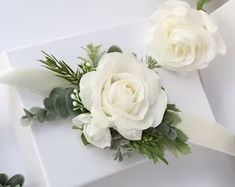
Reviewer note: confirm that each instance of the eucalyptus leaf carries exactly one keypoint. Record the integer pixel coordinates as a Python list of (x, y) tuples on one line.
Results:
[(171, 118), (60, 107), (114, 48), (51, 115), (163, 128), (57, 92), (39, 113), (16, 180), (172, 135), (172, 107), (3, 178), (49, 103)]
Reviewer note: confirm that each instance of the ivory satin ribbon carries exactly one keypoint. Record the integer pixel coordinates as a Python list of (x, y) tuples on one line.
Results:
[(200, 132)]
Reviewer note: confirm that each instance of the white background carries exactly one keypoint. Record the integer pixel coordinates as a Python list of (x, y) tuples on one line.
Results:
[(29, 22)]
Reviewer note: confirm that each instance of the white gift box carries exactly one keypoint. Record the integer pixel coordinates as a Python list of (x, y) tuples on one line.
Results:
[(53, 151)]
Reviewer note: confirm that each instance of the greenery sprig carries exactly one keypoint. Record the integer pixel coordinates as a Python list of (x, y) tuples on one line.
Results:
[(155, 141), (151, 62), (60, 103), (201, 4), (15, 181), (60, 68)]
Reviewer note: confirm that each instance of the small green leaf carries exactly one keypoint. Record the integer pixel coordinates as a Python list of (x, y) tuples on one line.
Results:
[(28, 113), (181, 136), (114, 48), (171, 118), (3, 178), (16, 180), (76, 128), (39, 113), (163, 128), (182, 147), (60, 107), (172, 107), (57, 92), (84, 140), (50, 115), (172, 135), (49, 103), (201, 4)]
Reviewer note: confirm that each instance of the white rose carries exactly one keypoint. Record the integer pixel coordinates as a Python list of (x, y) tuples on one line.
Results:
[(123, 94), (182, 38)]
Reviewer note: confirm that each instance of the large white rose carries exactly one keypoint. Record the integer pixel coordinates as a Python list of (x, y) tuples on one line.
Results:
[(182, 38), (123, 94)]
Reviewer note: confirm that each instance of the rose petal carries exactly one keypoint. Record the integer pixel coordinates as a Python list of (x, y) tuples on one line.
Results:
[(86, 89), (160, 108), (82, 119), (130, 134), (97, 136)]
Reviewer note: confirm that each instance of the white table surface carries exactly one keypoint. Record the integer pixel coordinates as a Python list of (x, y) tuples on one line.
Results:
[(29, 22)]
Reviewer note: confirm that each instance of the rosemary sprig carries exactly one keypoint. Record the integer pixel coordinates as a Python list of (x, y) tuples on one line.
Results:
[(60, 68)]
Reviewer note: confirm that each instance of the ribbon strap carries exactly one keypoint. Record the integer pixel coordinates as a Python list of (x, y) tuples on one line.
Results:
[(35, 80), (200, 132), (208, 134)]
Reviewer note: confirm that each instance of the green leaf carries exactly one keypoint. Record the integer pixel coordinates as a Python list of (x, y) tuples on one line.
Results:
[(93, 56), (16, 180), (57, 92), (51, 115), (182, 147), (163, 128), (114, 48), (28, 113), (60, 107), (49, 103), (172, 107), (39, 113), (172, 135), (60, 68), (201, 4), (171, 118), (151, 62), (180, 135), (84, 140), (3, 178)]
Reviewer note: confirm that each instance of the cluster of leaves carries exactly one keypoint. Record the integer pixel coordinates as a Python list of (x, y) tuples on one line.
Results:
[(201, 4), (155, 141), (15, 181), (58, 103)]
